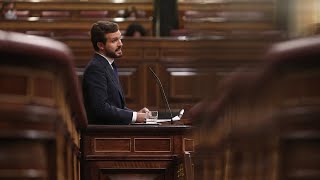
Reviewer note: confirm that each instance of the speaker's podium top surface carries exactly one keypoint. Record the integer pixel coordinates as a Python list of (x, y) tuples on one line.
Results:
[(138, 128)]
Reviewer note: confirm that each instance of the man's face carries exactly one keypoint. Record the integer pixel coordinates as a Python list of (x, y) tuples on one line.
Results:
[(113, 45)]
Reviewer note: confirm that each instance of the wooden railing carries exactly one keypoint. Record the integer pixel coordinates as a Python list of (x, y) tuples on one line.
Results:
[(263, 123), (41, 108)]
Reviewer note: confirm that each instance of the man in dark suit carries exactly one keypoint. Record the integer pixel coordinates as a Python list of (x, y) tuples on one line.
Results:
[(103, 95)]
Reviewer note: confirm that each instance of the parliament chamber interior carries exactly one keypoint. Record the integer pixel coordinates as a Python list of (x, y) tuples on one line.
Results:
[(245, 72)]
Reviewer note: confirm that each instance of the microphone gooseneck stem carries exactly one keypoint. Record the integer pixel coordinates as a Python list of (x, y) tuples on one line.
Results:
[(163, 93)]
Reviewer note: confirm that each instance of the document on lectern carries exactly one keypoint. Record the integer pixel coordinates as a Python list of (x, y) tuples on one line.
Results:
[(156, 121)]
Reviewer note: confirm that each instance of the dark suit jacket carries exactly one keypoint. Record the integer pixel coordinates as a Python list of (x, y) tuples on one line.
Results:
[(103, 95)]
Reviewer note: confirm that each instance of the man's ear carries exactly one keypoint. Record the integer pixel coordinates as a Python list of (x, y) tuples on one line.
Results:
[(100, 45)]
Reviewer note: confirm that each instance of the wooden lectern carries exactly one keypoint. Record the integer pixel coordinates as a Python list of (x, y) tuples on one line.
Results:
[(135, 151)]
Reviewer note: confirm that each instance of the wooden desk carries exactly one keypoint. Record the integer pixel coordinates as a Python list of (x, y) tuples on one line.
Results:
[(135, 151)]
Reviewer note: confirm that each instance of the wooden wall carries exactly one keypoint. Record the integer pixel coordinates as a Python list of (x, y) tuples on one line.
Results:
[(183, 64)]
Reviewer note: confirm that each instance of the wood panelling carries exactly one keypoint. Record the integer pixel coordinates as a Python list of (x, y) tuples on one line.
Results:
[(43, 87), (118, 145), (41, 111), (130, 83), (17, 164), (174, 50), (156, 173), (297, 166), (181, 85), (127, 77), (155, 154), (152, 145), (143, 170), (13, 84), (188, 145), (36, 88), (183, 65), (151, 53)]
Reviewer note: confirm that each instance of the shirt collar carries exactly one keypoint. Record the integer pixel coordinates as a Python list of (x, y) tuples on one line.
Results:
[(110, 60)]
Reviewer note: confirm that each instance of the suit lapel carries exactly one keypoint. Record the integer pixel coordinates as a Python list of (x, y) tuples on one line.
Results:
[(111, 74)]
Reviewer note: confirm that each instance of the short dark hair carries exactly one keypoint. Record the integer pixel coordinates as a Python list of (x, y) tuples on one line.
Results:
[(98, 31), (135, 27)]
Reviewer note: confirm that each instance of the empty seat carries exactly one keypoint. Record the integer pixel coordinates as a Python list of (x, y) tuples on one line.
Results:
[(25, 13), (40, 33), (55, 14), (189, 14)]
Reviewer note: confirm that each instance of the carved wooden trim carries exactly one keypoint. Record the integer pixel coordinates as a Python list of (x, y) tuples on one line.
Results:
[(115, 140), (184, 144), (155, 139), (30, 75)]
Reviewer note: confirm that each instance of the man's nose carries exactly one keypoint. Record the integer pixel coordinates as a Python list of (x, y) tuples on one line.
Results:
[(120, 43)]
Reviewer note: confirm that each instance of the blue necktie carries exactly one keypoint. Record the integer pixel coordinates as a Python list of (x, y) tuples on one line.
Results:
[(115, 70)]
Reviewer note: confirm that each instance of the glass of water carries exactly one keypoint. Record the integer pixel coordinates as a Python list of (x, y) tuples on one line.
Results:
[(152, 117)]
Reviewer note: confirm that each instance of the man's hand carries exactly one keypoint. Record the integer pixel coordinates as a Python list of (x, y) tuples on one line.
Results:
[(141, 117), (144, 110)]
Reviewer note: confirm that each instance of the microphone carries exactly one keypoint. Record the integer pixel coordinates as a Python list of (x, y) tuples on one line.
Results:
[(162, 91)]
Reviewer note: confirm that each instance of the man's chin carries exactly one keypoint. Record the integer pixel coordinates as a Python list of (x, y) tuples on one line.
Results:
[(118, 54), (115, 55)]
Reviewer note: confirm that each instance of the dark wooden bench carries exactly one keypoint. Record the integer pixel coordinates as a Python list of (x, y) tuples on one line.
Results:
[(263, 123), (41, 108), (201, 19), (75, 9), (56, 27), (60, 18)]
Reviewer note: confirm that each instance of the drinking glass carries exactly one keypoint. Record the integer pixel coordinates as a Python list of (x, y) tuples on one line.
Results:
[(152, 117)]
